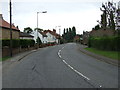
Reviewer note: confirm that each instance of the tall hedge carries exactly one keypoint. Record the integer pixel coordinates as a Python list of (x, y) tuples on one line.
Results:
[(105, 43), (24, 43)]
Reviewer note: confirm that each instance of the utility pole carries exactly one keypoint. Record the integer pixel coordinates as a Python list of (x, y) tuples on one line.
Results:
[(10, 29)]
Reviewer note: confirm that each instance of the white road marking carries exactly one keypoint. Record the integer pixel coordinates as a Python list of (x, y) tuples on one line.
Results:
[(59, 50), (71, 66)]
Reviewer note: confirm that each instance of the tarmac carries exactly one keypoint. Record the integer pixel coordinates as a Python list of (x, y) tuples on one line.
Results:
[(5, 64)]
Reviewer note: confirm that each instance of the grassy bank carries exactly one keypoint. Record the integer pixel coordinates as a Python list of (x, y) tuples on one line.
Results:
[(109, 54), (4, 58)]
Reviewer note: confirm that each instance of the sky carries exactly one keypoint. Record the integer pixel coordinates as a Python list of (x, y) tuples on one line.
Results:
[(83, 14)]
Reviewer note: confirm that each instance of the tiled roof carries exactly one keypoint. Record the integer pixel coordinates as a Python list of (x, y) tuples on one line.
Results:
[(44, 35), (5, 24)]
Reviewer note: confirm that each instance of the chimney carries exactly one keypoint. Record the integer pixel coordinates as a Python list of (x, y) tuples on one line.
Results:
[(1, 17), (54, 30)]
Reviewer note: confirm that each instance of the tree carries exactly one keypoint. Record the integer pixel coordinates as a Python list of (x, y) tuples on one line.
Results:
[(108, 16), (74, 31), (97, 27), (38, 29), (39, 41), (28, 30), (69, 34)]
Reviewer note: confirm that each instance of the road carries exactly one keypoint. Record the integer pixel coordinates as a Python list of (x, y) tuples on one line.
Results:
[(61, 66)]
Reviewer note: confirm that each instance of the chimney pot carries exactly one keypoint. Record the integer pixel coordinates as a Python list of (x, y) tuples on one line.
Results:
[(1, 17)]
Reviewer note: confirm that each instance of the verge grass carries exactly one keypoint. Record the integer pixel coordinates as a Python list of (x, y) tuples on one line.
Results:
[(4, 58), (109, 54)]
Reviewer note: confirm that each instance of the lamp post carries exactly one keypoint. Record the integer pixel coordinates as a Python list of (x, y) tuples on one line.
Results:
[(59, 34), (37, 25)]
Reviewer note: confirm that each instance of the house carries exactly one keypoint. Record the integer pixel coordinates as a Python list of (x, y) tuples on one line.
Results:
[(52, 36), (24, 35), (41, 35), (77, 38), (46, 36), (5, 30), (85, 37)]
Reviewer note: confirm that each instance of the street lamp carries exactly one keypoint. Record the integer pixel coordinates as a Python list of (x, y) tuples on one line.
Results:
[(59, 34), (37, 24)]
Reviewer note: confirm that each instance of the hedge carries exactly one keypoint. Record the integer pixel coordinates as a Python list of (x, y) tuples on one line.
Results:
[(105, 43), (24, 43)]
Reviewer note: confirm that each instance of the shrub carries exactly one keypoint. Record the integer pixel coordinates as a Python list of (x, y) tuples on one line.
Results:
[(105, 43), (24, 43)]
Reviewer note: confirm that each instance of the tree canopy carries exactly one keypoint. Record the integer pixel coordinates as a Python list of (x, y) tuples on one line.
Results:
[(39, 29), (28, 30), (69, 34)]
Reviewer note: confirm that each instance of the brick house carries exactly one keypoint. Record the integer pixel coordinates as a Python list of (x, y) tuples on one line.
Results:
[(5, 30), (77, 38), (85, 37)]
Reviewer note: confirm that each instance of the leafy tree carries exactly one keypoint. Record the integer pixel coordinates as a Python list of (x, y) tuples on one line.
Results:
[(28, 30), (39, 29), (69, 34), (39, 41), (97, 27), (74, 31), (108, 16)]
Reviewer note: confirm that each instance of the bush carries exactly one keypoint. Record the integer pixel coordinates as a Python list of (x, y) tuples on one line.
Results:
[(105, 43), (24, 43), (15, 43)]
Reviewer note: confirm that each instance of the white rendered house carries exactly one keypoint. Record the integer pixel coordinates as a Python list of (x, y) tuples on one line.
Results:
[(42, 37)]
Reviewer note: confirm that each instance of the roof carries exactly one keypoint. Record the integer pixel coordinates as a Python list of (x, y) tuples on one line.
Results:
[(5, 24), (22, 34), (76, 37), (43, 34)]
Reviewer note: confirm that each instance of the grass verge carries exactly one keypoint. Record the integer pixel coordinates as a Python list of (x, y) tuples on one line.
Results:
[(4, 58), (109, 54)]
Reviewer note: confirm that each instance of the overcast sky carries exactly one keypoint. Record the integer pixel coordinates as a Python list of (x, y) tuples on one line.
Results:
[(83, 14)]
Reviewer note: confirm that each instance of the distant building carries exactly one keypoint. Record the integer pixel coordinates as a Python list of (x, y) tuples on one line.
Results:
[(41, 35), (85, 37), (5, 30), (47, 36), (52, 36), (77, 38), (24, 35)]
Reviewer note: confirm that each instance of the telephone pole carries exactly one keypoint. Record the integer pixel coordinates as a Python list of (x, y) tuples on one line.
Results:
[(10, 29)]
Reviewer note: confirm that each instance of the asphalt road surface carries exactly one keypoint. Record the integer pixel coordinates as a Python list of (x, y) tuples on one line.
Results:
[(61, 66)]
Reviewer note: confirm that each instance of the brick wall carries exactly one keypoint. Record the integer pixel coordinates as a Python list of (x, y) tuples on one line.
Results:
[(6, 34), (6, 51)]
